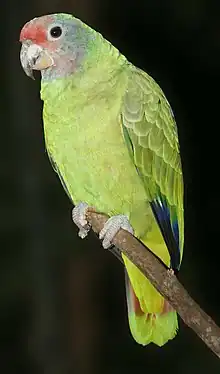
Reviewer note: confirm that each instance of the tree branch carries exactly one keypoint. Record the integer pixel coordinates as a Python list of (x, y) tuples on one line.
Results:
[(166, 283)]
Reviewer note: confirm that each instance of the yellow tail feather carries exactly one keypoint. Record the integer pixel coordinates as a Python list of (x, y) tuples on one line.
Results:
[(153, 328), (151, 318)]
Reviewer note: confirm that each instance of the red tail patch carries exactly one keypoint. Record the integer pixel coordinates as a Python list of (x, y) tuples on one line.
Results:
[(167, 307), (136, 307), (135, 302)]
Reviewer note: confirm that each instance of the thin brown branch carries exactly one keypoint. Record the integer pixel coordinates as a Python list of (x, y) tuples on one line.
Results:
[(166, 283)]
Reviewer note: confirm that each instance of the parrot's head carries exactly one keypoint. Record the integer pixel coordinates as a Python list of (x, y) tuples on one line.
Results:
[(55, 44)]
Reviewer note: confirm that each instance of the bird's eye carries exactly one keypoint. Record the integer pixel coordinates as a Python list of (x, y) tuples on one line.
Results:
[(56, 32)]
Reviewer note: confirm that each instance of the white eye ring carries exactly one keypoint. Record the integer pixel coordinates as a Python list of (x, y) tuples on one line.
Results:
[(55, 32)]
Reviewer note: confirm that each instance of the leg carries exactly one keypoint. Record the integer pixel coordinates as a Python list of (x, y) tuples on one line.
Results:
[(79, 218), (112, 226)]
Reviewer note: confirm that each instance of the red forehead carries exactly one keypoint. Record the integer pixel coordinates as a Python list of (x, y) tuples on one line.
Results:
[(34, 33), (36, 30)]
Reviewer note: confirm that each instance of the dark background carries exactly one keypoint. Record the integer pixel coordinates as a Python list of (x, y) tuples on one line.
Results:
[(62, 300)]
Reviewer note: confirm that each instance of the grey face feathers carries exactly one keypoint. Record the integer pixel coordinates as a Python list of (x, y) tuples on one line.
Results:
[(55, 44)]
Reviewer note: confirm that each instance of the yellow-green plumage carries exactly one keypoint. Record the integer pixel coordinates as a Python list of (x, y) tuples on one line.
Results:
[(112, 136), (84, 137)]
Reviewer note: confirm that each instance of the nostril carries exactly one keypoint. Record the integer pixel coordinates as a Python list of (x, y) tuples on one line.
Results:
[(34, 60)]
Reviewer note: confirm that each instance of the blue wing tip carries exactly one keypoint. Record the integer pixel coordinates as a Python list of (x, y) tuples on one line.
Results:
[(169, 227)]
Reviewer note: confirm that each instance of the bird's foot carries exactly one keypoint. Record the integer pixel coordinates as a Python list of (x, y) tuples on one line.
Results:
[(170, 272), (79, 218), (111, 228)]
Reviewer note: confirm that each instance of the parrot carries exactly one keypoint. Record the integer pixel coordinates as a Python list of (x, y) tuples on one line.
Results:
[(112, 138)]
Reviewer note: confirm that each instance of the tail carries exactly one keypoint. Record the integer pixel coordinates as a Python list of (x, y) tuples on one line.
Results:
[(150, 316)]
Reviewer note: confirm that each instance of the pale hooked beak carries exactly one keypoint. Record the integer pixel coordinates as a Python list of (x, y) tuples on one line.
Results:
[(34, 57)]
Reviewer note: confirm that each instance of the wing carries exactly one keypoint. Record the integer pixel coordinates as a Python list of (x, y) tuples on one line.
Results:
[(150, 133), (55, 168)]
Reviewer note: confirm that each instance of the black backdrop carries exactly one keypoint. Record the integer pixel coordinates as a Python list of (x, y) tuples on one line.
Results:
[(62, 302)]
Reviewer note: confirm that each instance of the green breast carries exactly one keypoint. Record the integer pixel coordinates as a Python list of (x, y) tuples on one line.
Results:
[(83, 137)]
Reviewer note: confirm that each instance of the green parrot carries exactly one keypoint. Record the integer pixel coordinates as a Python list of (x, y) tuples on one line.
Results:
[(111, 136)]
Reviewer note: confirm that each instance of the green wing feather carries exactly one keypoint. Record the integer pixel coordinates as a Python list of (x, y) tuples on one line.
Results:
[(151, 135)]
